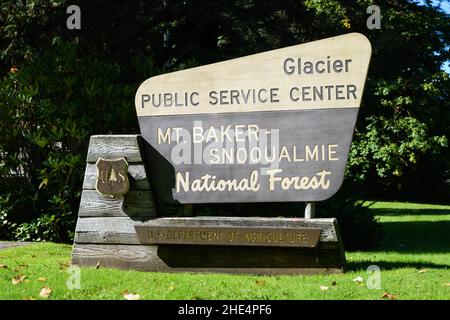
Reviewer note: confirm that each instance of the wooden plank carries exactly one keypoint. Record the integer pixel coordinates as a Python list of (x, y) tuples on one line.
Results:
[(114, 146), (117, 256), (197, 256), (120, 230), (237, 260), (328, 225), (133, 204), (339, 240), (138, 177), (112, 230), (229, 236)]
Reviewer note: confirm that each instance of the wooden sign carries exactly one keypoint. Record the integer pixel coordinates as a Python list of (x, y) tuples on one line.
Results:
[(230, 236), (274, 126), (112, 177)]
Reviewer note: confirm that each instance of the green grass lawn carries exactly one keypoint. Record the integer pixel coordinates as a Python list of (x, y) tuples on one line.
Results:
[(417, 239)]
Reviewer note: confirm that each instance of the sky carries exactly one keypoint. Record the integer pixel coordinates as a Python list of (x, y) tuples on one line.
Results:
[(446, 7)]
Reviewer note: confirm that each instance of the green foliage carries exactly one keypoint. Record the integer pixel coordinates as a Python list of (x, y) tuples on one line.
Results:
[(49, 108), (6, 226), (390, 150), (28, 26)]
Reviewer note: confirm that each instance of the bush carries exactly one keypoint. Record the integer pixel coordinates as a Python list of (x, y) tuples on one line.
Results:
[(49, 108), (359, 228), (400, 156)]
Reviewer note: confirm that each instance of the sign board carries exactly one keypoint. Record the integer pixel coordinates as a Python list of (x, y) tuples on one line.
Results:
[(229, 236), (273, 126)]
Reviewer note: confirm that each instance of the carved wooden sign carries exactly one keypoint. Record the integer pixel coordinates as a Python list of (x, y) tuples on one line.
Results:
[(274, 126), (112, 177), (229, 236)]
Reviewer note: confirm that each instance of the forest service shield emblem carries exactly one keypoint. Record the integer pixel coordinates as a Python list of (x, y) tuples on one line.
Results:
[(112, 177)]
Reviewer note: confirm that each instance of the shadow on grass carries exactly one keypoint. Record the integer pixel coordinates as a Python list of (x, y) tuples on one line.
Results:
[(416, 236), (409, 212), (391, 265)]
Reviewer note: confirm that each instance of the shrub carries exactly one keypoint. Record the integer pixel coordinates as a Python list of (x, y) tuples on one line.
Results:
[(48, 110), (400, 156), (360, 229)]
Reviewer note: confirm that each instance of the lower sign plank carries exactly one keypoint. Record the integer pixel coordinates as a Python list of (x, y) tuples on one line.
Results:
[(234, 236)]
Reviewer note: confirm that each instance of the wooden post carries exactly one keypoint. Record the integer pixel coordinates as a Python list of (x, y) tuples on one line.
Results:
[(310, 210)]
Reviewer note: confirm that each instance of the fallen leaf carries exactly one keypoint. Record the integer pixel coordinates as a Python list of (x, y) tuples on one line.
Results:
[(446, 284), (18, 279), (3, 266), (358, 279), (97, 265), (172, 286), (18, 269), (324, 288), (45, 292), (334, 283), (131, 296), (64, 265), (389, 296), (422, 271), (260, 282), (42, 279)]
